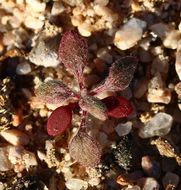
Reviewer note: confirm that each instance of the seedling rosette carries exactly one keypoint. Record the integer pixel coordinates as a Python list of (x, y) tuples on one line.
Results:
[(73, 53)]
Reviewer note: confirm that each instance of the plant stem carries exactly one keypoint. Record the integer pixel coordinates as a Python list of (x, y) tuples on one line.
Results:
[(83, 119)]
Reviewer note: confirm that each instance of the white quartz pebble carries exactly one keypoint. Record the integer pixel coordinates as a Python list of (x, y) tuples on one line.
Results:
[(57, 8), (171, 39), (15, 137), (135, 187), (157, 93), (23, 68), (36, 5), (123, 129), (131, 32), (76, 184), (159, 125), (150, 184)]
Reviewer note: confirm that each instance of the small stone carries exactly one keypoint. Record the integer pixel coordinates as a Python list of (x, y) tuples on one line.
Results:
[(5, 164), (94, 181), (150, 167), (100, 65), (57, 8), (73, 2), (135, 187), (129, 34), (123, 129), (140, 87), (159, 125), (161, 29), (178, 60), (178, 89), (76, 184), (172, 38), (170, 180), (33, 23), (179, 27), (101, 2), (36, 5), (8, 39), (104, 55), (167, 33), (45, 51), (157, 93), (85, 29), (23, 68), (160, 64), (15, 137), (148, 183)]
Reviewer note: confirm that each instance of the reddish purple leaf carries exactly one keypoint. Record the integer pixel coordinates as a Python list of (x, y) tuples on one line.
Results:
[(85, 150), (73, 52), (118, 107), (120, 75), (59, 121), (53, 92), (94, 106)]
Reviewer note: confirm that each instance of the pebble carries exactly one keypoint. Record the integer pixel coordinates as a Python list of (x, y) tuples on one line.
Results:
[(129, 34), (167, 33), (135, 187), (45, 51), (140, 87), (57, 8), (123, 129), (148, 183), (160, 64), (100, 65), (157, 93), (5, 164), (85, 29), (36, 5), (170, 180), (178, 60), (178, 89), (179, 26), (161, 29), (94, 181), (76, 184), (23, 68), (150, 167), (159, 125), (104, 55), (101, 2), (172, 38), (8, 39), (33, 23), (15, 137)]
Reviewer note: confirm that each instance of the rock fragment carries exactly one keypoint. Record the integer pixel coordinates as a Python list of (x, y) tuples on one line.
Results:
[(157, 92), (130, 33), (15, 137), (159, 125), (76, 184)]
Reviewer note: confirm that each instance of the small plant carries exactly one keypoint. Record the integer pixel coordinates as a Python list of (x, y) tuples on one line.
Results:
[(73, 53)]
